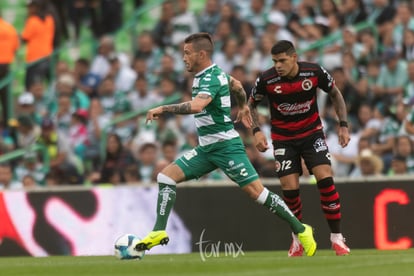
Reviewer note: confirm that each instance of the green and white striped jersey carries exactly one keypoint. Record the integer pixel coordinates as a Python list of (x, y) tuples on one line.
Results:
[(214, 124)]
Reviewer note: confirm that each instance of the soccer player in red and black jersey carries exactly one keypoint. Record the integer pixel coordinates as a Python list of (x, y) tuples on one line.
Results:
[(296, 131)]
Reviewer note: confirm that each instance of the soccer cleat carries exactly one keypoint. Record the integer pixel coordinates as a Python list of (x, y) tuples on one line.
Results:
[(296, 249), (152, 239), (307, 240), (338, 244)]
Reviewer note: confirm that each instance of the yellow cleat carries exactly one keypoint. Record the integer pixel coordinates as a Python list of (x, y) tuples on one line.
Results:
[(307, 240), (152, 239)]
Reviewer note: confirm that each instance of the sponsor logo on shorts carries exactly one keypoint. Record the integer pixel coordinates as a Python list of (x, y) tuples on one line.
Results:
[(279, 151), (320, 145)]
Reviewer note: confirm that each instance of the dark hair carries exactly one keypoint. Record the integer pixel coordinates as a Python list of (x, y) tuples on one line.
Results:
[(83, 61), (283, 46), (201, 41)]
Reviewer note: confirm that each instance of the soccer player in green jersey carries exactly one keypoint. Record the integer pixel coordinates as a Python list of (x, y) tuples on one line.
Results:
[(220, 145)]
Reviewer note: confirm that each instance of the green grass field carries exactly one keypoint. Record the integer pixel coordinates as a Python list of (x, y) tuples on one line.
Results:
[(360, 262)]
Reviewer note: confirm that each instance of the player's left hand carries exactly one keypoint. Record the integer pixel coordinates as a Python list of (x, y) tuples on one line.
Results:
[(343, 136), (153, 114), (244, 116)]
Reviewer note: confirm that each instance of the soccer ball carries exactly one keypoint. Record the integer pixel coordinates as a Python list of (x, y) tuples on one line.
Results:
[(124, 249)]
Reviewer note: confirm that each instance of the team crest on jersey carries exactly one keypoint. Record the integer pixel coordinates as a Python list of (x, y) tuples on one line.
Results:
[(231, 163), (307, 85), (320, 145)]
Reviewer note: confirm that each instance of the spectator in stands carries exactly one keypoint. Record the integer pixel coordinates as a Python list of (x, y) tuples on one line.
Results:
[(54, 178), (117, 158), (352, 11), (79, 11), (392, 78), (147, 158), (404, 20), (27, 131), (407, 50), (209, 16), (382, 129), (62, 159), (38, 33), (108, 95), (368, 164), (29, 182), (148, 50), (276, 25), (408, 98), (352, 96), (131, 174), (398, 166), (86, 81), (30, 166), (63, 115), (342, 160), (167, 88), (97, 128), (125, 129), (223, 33), (66, 85), (124, 76), (163, 28), (265, 43), (100, 65), (168, 69), (256, 14), (78, 133), (229, 55), (382, 15), (404, 147), (6, 178), (184, 23), (141, 97), (41, 98), (169, 152), (9, 43), (292, 19), (230, 15), (26, 106)]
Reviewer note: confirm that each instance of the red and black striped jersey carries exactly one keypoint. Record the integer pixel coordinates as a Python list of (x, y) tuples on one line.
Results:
[(292, 102)]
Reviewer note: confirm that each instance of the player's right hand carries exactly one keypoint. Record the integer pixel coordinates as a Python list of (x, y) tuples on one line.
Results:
[(261, 141), (153, 114)]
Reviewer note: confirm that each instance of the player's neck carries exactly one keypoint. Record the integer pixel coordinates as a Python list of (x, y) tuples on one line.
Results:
[(294, 72), (204, 66)]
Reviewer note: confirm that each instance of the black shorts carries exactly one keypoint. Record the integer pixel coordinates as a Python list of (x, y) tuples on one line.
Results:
[(313, 149)]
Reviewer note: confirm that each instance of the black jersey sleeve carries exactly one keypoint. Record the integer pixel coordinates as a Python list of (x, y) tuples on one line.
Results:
[(326, 82), (258, 91)]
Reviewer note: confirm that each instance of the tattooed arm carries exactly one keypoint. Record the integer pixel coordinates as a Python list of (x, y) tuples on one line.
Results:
[(190, 107), (341, 111), (236, 88), (243, 115)]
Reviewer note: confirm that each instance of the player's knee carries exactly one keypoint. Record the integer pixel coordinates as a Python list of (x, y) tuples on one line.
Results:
[(165, 179), (254, 189)]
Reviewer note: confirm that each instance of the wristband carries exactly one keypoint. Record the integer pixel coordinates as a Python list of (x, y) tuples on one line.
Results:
[(256, 129), (343, 123)]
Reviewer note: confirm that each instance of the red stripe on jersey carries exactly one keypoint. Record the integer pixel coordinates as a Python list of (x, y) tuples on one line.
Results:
[(293, 87), (296, 127)]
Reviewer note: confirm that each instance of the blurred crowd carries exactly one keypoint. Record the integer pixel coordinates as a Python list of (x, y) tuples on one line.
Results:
[(79, 115)]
